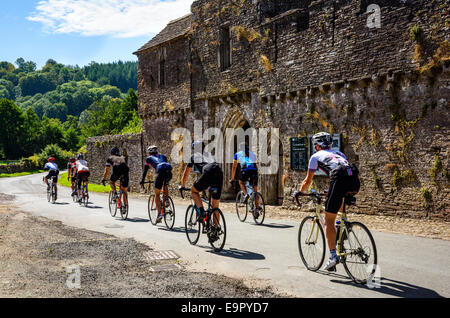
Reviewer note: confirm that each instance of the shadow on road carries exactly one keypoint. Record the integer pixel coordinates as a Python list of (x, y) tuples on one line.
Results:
[(175, 229), (275, 226), (94, 207), (61, 203), (395, 288), (137, 220), (240, 254)]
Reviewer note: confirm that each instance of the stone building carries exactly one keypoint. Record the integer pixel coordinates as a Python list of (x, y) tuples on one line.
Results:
[(374, 71)]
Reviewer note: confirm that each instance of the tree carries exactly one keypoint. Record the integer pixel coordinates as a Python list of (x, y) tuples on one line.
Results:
[(10, 132)]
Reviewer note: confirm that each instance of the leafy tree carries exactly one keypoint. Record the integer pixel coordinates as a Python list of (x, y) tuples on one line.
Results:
[(10, 129)]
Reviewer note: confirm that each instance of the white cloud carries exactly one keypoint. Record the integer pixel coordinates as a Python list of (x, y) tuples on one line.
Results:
[(119, 18)]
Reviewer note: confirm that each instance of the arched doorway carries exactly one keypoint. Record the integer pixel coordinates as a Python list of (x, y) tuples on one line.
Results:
[(270, 185)]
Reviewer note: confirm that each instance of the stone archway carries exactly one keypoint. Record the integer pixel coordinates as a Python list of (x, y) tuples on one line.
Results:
[(269, 185)]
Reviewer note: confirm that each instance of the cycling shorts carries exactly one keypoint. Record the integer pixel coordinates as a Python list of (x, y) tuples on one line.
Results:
[(212, 177), (249, 175), (121, 172), (163, 178)]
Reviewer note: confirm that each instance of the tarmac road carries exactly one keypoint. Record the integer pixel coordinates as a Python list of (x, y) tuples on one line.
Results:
[(268, 254)]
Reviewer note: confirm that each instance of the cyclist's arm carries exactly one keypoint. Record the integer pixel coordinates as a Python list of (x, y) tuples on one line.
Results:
[(106, 173), (233, 174), (307, 181), (186, 173), (146, 167)]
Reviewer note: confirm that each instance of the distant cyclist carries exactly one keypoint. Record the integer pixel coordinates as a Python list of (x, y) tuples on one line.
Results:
[(210, 176), (71, 166), (249, 171), (53, 172), (163, 177), (343, 179), (82, 173), (120, 171)]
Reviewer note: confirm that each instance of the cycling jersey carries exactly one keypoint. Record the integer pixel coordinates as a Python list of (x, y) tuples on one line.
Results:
[(247, 162), (199, 161), (51, 166), (82, 166), (115, 161), (327, 160), (158, 162)]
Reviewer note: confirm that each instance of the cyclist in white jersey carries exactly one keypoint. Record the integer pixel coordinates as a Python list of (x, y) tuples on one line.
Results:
[(81, 172), (343, 179), (53, 172)]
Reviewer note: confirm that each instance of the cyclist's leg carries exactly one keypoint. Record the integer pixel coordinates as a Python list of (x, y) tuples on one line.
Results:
[(159, 183), (124, 183), (196, 197)]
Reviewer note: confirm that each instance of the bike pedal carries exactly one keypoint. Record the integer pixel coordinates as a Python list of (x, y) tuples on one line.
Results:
[(332, 269)]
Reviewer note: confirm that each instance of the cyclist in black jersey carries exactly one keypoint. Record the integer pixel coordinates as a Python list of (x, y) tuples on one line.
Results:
[(343, 179), (120, 171), (211, 176)]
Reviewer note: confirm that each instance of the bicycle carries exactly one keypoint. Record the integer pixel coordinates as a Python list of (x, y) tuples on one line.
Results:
[(51, 190), (83, 199), (116, 201), (168, 209), (244, 206), (356, 248), (213, 223)]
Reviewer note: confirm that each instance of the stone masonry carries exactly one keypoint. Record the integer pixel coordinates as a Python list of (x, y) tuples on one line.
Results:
[(309, 66)]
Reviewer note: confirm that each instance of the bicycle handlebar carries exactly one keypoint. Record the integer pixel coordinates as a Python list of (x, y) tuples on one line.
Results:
[(181, 189), (315, 194)]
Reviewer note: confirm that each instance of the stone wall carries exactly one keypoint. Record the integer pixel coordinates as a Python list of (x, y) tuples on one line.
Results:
[(130, 145), (310, 66)]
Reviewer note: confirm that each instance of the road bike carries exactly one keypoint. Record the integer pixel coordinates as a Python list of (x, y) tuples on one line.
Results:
[(243, 205), (212, 224), (51, 189), (168, 209), (356, 248), (117, 202), (83, 199)]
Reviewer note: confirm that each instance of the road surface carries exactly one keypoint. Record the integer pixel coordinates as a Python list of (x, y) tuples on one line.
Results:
[(409, 266)]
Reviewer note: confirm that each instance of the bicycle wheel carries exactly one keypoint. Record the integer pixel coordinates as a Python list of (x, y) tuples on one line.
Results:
[(217, 233), (123, 206), (112, 204), (49, 194), (311, 243), (169, 216), (152, 210), (85, 196), (192, 225), (260, 215), (241, 207), (53, 193), (361, 263)]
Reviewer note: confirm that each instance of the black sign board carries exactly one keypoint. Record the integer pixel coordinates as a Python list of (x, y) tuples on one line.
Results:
[(298, 154)]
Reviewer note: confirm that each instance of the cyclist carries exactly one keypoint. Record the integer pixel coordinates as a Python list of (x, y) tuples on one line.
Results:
[(53, 172), (120, 171), (211, 176), (71, 166), (164, 175), (343, 179), (82, 173), (249, 172)]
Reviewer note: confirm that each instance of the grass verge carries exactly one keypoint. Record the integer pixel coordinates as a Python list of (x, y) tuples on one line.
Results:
[(19, 174), (62, 180)]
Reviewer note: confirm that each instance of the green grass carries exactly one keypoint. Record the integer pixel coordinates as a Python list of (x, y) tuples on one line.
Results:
[(62, 180), (19, 174)]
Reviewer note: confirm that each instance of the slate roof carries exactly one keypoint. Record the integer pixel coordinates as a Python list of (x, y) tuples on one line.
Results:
[(174, 29)]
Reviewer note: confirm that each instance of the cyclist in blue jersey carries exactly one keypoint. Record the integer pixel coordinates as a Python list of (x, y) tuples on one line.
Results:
[(163, 177), (53, 171), (249, 172), (343, 179)]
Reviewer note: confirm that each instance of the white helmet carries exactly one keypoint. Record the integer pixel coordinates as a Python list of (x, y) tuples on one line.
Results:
[(323, 139)]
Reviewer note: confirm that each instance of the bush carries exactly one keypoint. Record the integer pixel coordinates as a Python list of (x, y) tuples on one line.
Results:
[(61, 156)]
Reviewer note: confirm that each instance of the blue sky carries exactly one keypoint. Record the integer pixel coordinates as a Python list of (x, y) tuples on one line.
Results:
[(76, 32)]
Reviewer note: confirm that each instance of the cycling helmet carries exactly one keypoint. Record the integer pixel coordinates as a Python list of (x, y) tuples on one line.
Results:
[(115, 151), (72, 159), (51, 159), (152, 150), (323, 139), (80, 157)]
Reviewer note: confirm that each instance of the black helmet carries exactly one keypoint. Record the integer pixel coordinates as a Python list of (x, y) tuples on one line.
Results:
[(115, 151), (80, 156), (152, 150), (196, 144), (323, 139)]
